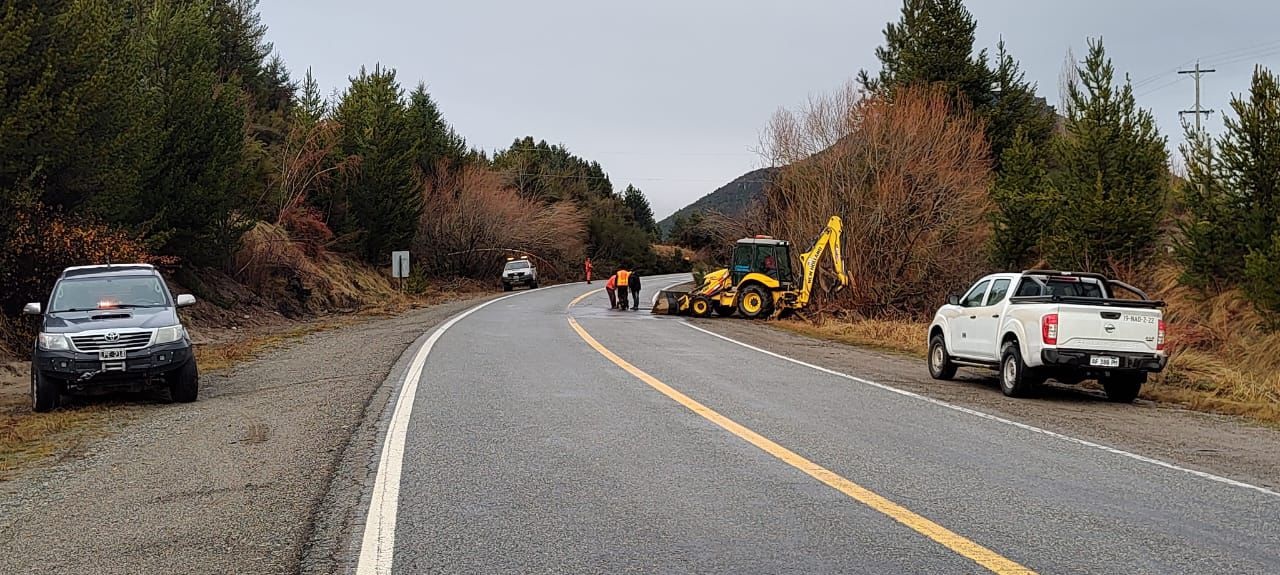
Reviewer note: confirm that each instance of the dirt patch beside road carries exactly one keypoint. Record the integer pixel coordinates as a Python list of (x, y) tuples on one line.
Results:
[(228, 484), (1222, 445)]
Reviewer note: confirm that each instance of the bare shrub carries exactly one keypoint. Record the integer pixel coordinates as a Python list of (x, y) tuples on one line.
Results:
[(471, 221), (910, 179)]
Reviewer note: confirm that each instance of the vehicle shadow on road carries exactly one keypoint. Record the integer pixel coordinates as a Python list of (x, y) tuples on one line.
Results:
[(1051, 390)]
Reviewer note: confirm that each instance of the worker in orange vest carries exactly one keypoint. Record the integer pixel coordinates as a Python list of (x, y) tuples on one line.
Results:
[(587, 267), (610, 287), (624, 280)]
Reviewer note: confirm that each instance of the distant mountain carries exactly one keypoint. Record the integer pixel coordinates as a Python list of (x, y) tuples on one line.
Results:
[(732, 199)]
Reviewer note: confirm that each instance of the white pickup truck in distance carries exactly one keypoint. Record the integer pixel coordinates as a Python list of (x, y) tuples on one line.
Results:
[(1038, 325)]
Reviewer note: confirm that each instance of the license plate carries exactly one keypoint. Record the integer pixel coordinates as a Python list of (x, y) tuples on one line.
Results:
[(111, 355), (1104, 361)]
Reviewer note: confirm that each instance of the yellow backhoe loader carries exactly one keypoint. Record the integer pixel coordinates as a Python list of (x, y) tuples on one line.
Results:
[(759, 282)]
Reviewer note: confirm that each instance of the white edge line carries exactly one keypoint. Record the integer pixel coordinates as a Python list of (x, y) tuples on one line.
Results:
[(989, 417), (377, 547)]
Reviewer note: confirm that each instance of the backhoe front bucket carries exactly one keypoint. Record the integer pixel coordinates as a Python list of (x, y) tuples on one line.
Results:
[(669, 302)]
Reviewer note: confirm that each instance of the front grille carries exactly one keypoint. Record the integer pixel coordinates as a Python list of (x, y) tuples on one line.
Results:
[(129, 340)]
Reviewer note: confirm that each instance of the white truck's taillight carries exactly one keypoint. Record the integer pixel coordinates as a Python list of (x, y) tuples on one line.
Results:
[(1160, 337), (1049, 329)]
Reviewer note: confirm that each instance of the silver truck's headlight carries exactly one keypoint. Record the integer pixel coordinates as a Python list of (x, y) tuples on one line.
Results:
[(170, 334), (54, 342)]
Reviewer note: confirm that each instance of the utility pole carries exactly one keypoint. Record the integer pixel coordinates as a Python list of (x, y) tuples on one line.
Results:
[(1198, 111)]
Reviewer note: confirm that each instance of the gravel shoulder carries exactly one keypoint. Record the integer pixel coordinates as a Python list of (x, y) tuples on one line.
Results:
[(1222, 445), (230, 484)]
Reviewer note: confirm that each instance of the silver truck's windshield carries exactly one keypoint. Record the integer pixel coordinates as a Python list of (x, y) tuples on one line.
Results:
[(108, 293), (518, 265)]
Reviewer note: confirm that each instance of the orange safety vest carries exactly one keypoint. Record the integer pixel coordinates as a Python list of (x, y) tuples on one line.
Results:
[(613, 282), (624, 277)]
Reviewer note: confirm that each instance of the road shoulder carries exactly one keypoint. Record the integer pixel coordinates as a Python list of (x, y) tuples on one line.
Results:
[(230, 484)]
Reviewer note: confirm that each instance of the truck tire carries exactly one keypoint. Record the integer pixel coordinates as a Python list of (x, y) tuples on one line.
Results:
[(700, 306), (1123, 387), (755, 303), (1016, 379), (940, 364), (46, 393), (506, 287), (533, 285), (184, 383)]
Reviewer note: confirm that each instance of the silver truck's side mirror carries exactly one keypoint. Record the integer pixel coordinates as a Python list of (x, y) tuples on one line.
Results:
[(32, 309), (185, 300), (953, 299)]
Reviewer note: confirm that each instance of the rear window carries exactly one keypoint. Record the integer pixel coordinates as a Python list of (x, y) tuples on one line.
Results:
[(1060, 287)]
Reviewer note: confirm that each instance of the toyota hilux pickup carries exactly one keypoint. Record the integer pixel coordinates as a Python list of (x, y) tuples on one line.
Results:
[(1040, 325), (111, 328), (519, 272)]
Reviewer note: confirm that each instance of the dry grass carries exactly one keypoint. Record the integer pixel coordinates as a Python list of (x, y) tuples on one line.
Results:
[(904, 337), (27, 436)]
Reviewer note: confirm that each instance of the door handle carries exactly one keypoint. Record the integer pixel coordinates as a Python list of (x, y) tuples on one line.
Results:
[(996, 316), (973, 317)]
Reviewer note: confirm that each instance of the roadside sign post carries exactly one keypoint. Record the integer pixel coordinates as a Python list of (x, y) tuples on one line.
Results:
[(400, 267)]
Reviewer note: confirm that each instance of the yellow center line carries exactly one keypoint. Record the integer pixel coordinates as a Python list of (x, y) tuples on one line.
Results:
[(582, 297), (987, 558)]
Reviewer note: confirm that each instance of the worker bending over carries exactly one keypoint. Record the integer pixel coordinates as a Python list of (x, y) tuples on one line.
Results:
[(624, 282), (609, 288)]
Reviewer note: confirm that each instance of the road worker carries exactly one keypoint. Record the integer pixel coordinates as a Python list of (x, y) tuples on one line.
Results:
[(609, 288), (587, 268), (624, 281), (633, 283)]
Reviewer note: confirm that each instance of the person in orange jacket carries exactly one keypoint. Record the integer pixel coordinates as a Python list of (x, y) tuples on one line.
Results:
[(623, 282), (587, 268), (611, 287)]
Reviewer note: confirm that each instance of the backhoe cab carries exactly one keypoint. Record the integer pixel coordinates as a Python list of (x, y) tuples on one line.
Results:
[(760, 282)]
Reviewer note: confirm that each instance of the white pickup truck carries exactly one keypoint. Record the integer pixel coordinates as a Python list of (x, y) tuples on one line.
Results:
[(1038, 325)]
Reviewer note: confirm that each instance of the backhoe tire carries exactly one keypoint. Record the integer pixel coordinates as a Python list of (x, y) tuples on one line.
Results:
[(1016, 379), (755, 303), (1123, 387), (940, 364), (726, 310), (700, 306)]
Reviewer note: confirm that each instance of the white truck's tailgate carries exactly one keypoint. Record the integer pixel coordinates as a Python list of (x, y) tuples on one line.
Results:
[(1108, 328)]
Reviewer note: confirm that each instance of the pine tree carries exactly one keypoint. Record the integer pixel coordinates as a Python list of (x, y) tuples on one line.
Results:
[(1213, 247), (1110, 177), (435, 139), (378, 204), (312, 105), (933, 43), (641, 212), (1015, 109), (1023, 211)]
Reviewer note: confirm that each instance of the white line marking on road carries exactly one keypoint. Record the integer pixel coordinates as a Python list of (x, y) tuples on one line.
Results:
[(989, 417), (378, 546)]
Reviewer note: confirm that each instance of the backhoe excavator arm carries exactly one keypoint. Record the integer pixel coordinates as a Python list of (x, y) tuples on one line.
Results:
[(830, 240)]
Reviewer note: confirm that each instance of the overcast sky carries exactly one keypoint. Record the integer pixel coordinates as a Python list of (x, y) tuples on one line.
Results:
[(672, 95)]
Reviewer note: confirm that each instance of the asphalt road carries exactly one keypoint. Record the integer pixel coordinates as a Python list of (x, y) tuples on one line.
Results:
[(549, 439)]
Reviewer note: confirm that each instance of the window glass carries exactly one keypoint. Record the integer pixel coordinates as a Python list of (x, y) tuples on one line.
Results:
[(1028, 288), (974, 299), (109, 293), (998, 291)]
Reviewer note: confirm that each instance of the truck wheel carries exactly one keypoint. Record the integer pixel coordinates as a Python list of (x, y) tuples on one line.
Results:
[(1124, 387), (184, 383), (506, 287), (940, 365), (1016, 379), (725, 310), (46, 393), (533, 285), (755, 303)]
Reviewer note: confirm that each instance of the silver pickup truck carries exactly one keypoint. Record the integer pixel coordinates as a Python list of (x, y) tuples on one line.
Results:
[(1042, 324)]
